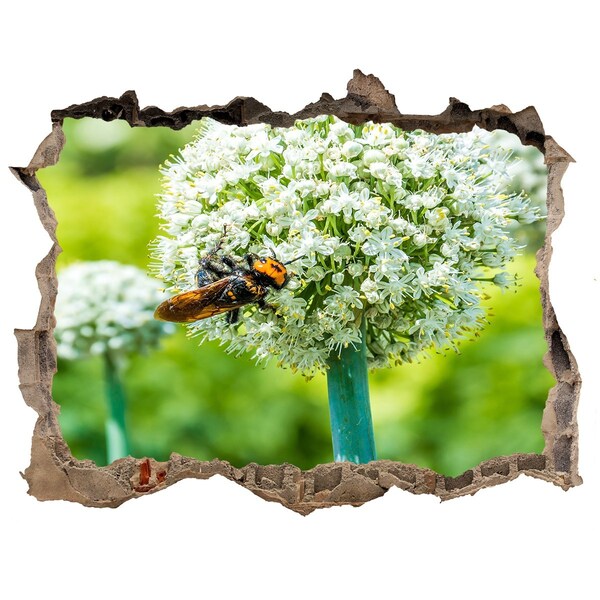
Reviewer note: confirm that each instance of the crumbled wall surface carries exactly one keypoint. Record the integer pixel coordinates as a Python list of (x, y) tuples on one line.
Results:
[(55, 474)]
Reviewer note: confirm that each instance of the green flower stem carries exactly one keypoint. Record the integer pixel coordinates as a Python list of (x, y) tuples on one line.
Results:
[(117, 445), (349, 407)]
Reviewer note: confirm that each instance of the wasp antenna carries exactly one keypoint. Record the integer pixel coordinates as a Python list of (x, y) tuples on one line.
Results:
[(289, 262)]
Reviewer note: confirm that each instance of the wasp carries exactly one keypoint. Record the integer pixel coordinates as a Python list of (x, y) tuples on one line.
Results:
[(225, 286)]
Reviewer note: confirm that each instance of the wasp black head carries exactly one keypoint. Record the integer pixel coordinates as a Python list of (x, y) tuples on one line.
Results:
[(269, 270)]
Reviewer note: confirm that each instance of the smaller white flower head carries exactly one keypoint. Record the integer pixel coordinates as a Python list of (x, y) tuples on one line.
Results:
[(105, 306)]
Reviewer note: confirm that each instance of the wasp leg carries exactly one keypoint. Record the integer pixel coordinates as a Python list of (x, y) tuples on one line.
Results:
[(233, 316), (212, 270), (265, 305), (221, 240), (219, 245), (227, 260)]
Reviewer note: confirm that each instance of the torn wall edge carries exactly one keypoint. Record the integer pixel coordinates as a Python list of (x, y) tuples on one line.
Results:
[(55, 474)]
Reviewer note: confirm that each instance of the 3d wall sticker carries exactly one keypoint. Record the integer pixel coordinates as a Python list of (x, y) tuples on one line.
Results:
[(343, 238)]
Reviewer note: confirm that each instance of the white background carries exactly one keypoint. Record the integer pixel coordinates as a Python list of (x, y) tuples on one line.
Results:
[(526, 539)]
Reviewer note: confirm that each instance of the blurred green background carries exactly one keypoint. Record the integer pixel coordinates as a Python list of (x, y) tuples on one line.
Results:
[(447, 413)]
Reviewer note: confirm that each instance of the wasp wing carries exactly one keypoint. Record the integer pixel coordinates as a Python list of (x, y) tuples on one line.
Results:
[(207, 301)]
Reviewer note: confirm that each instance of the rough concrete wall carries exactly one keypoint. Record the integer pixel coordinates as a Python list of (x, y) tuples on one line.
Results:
[(55, 474)]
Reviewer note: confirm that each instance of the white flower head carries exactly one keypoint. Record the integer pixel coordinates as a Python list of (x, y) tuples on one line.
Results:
[(389, 228), (104, 306)]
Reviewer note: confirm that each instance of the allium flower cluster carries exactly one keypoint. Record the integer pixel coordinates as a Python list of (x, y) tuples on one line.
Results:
[(104, 307), (395, 228)]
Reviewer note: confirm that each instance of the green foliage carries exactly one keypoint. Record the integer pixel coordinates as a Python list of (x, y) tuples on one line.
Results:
[(200, 402), (448, 412)]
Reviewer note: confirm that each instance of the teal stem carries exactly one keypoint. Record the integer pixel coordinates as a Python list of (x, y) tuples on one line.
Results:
[(349, 406), (117, 444)]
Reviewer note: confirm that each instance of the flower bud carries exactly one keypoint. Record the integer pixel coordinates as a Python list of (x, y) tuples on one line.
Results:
[(503, 279), (419, 239), (369, 289), (334, 153), (355, 269), (315, 273), (371, 156), (438, 217), (274, 228), (351, 149)]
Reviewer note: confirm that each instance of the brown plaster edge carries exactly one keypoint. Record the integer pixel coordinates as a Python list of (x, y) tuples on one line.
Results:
[(54, 473)]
